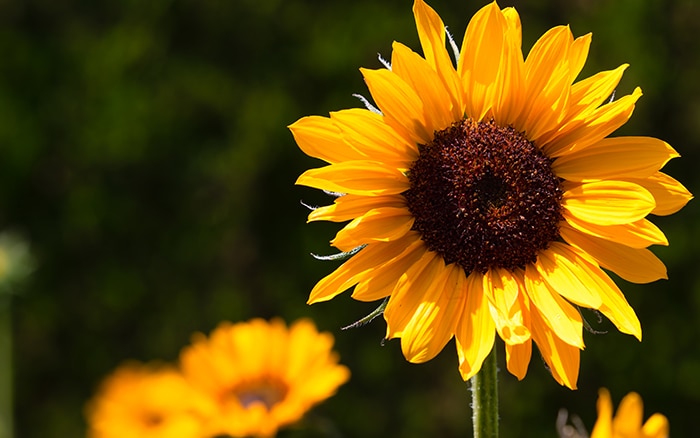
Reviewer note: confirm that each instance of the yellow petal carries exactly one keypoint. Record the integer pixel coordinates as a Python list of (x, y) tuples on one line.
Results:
[(556, 312), (603, 426), (669, 194), (595, 126), (568, 271), (637, 265), (409, 292), (615, 158), (437, 104), (366, 178), (476, 331), (569, 274), (358, 267), (401, 106), (518, 355), (656, 427), (586, 96), (607, 202), (367, 133), (384, 277), (615, 307), (509, 97), (629, 415), (382, 224), (639, 234), (431, 32), (546, 55), (480, 59), (318, 137), (518, 358), (348, 207), (515, 28), (591, 92), (578, 53), (613, 303), (434, 321), (502, 289), (562, 358), (548, 82)]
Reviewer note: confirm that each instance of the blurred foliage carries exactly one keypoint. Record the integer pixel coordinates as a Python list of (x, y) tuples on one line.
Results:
[(15, 263), (145, 156)]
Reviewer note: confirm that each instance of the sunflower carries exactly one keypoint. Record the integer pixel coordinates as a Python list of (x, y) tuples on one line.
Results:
[(262, 375), (628, 419), (487, 197), (140, 400)]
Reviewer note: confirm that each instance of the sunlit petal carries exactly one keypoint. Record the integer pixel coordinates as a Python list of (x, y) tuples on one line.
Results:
[(502, 288), (400, 104), (358, 267), (669, 194), (639, 234), (348, 207), (615, 158), (480, 59), (607, 202), (637, 265), (431, 32), (382, 224), (557, 313), (562, 358), (435, 319), (437, 103), (366, 178), (476, 330)]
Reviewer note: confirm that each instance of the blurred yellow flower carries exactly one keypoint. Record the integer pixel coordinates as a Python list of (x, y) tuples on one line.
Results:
[(486, 197), (139, 401), (628, 419), (262, 375)]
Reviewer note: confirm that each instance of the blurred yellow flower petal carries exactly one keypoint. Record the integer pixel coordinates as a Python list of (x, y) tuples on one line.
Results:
[(260, 376), (139, 400), (627, 422)]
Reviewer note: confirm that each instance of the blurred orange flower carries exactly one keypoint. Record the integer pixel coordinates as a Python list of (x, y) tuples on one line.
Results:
[(627, 422), (262, 375), (138, 401)]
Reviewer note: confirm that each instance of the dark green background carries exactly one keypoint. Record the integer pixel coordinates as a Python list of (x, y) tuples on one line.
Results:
[(144, 155)]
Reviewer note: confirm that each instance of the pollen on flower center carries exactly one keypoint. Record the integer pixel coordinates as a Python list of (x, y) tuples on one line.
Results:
[(484, 196)]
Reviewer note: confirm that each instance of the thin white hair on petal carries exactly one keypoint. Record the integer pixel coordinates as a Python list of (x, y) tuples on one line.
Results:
[(384, 62), (338, 256), (334, 194), (309, 206), (453, 44), (612, 97), (367, 104)]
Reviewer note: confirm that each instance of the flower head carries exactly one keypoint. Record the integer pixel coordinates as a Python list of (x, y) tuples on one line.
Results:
[(628, 419), (145, 401), (485, 197), (262, 375)]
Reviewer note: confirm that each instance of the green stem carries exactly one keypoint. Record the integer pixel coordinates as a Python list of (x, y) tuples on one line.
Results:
[(485, 399)]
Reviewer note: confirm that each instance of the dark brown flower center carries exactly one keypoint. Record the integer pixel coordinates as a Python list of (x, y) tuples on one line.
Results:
[(483, 196)]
